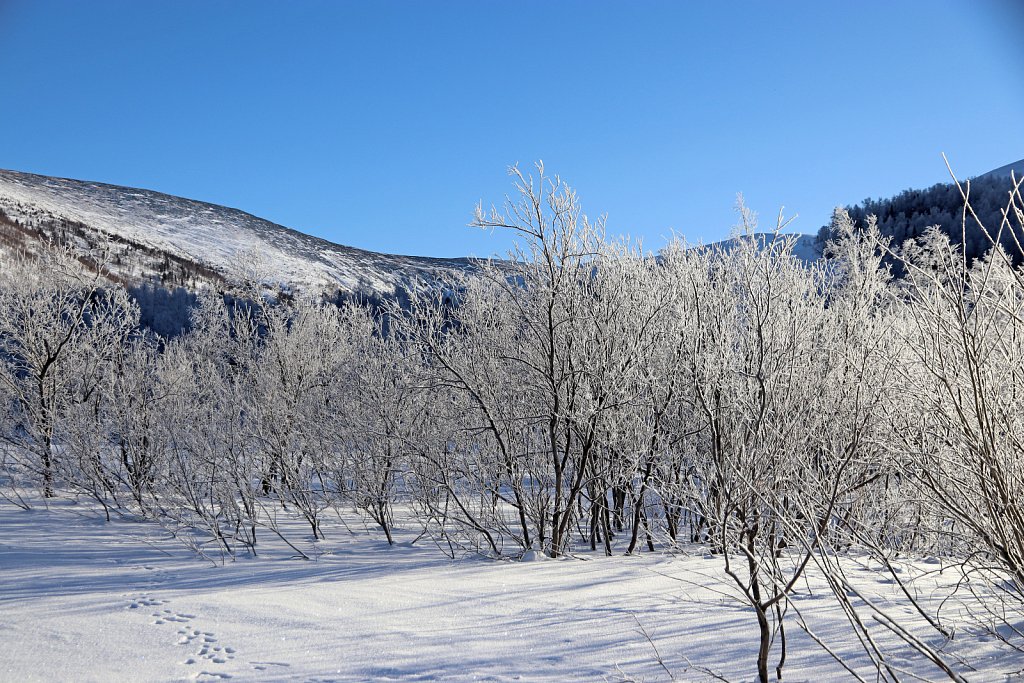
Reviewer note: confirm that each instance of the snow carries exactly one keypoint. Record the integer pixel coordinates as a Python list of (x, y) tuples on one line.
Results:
[(215, 236), (223, 238), (805, 247), (1005, 171), (84, 599)]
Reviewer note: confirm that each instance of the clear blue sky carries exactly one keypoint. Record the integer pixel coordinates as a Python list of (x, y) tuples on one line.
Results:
[(381, 124)]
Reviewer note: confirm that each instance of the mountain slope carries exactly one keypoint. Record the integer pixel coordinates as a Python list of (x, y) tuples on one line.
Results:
[(805, 247), (1004, 171), (911, 213), (150, 237), (158, 227)]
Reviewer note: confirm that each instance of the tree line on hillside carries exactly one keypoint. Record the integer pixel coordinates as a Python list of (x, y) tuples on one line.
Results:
[(776, 413), (912, 213)]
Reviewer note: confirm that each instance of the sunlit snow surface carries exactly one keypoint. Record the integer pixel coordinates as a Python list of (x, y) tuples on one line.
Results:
[(805, 247), (212, 235), (82, 599), (1016, 168)]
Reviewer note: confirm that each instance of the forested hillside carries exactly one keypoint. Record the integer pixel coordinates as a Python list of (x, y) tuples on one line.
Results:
[(910, 213), (165, 250)]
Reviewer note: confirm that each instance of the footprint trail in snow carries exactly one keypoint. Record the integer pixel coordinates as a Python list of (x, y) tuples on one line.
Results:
[(204, 646)]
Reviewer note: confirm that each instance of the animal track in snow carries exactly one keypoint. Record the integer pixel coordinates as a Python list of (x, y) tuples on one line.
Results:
[(209, 649), (172, 617), (145, 600)]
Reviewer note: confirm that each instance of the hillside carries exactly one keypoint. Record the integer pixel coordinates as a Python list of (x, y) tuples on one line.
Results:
[(805, 247), (909, 214), (153, 236), (153, 240), (1005, 171)]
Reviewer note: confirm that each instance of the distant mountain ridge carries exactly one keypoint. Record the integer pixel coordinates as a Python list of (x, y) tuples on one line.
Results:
[(152, 238), (148, 232), (805, 247), (1005, 171)]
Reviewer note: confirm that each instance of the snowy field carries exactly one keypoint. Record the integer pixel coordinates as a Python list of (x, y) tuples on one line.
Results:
[(84, 599)]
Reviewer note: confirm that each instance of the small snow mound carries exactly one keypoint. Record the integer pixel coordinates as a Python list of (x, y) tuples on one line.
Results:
[(533, 556)]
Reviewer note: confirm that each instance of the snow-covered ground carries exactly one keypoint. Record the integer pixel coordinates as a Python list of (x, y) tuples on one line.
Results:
[(84, 599)]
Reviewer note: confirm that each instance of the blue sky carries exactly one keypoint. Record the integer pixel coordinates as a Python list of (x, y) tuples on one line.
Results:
[(381, 124)]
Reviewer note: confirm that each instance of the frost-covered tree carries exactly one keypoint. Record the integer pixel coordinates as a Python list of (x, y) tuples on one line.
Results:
[(909, 215), (292, 411), (384, 410), (967, 339), (60, 327)]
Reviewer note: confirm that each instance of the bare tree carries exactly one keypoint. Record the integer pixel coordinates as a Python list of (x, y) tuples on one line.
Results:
[(770, 486), (967, 335), (60, 326)]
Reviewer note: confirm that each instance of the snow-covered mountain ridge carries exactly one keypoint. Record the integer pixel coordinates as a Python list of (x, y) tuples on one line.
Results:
[(1005, 171), (149, 236), (148, 231), (805, 247)]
